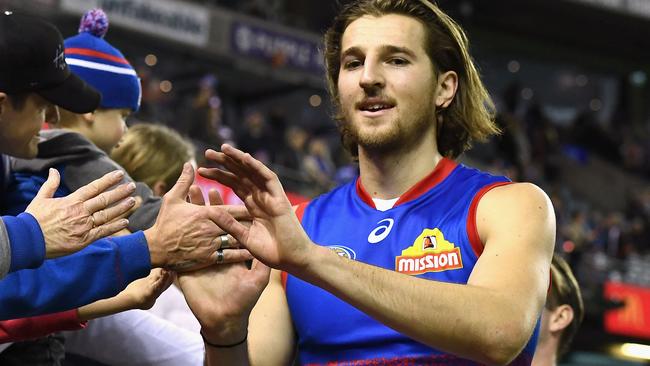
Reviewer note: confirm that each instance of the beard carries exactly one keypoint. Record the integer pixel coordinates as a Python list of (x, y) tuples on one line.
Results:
[(403, 132)]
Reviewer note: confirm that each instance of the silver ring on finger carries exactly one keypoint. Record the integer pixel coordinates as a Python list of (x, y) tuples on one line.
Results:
[(219, 256), (225, 241)]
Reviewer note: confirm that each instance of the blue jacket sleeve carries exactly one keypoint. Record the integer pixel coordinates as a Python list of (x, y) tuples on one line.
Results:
[(99, 271), (26, 242)]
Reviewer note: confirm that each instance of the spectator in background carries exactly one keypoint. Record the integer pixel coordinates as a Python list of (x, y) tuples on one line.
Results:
[(154, 155), (319, 166), (203, 120), (293, 155), (544, 143), (277, 130), (255, 138), (152, 106), (561, 317), (79, 150), (34, 79), (289, 161), (578, 232)]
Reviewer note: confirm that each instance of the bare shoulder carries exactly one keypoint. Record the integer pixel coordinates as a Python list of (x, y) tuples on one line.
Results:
[(522, 198), (515, 207)]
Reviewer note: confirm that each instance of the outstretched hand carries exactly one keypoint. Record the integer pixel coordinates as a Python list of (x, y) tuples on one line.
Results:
[(185, 236), (143, 293), (275, 236), (70, 223), (222, 296)]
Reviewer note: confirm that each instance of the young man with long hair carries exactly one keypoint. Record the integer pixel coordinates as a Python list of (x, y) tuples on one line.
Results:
[(421, 260)]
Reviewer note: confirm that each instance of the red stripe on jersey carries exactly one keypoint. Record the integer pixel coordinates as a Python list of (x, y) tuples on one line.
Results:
[(363, 194), (283, 279), (443, 169), (300, 210), (472, 231)]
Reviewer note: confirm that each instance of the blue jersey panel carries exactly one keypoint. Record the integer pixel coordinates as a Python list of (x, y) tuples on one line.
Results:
[(426, 237)]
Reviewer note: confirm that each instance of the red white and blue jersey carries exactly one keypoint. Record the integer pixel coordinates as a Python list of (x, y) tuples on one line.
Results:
[(429, 233)]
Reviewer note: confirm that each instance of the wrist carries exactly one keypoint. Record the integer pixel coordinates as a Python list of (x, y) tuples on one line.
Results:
[(306, 259), (225, 334), (130, 300), (156, 257), (222, 345), (301, 258), (319, 258)]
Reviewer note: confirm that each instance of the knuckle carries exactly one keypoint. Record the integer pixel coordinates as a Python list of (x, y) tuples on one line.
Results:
[(94, 187), (103, 199), (104, 215)]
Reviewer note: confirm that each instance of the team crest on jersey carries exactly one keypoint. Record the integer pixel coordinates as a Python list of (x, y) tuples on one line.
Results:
[(344, 252), (430, 252)]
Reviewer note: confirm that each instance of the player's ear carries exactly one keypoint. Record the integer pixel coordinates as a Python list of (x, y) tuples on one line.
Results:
[(446, 89)]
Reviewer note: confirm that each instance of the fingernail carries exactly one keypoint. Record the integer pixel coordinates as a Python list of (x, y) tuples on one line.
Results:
[(131, 201), (125, 222), (118, 174), (131, 186)]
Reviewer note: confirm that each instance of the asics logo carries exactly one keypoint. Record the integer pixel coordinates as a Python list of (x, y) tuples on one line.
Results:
[(381, 232)]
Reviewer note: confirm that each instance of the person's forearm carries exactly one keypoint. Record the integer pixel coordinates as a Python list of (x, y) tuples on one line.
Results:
[(397, 300), (29, 328), (105, 307), (99, 271)]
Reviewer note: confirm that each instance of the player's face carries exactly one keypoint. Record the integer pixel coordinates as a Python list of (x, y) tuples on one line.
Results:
[(386, 83)]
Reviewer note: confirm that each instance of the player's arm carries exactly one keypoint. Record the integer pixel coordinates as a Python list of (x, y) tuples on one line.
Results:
[(271, 337)]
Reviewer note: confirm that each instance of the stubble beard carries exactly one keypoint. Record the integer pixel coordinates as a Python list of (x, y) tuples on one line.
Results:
[(402, 132)]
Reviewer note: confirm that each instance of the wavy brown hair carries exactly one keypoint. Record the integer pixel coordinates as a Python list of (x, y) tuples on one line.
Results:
[(470, 116), (151, 153)]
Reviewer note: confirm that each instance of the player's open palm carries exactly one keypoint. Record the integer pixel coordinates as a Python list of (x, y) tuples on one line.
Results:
[(275, 236), (223, 296)]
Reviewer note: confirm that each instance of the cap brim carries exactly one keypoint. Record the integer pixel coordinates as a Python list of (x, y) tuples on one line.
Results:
[(73, 94)]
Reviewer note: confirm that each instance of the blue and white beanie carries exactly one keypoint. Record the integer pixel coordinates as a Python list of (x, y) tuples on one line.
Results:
[(102, 65)]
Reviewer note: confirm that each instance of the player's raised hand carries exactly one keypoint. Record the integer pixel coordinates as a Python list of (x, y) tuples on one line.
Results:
[(275, 236)]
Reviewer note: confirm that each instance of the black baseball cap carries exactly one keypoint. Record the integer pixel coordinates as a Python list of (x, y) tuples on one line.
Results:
[(32, 59)]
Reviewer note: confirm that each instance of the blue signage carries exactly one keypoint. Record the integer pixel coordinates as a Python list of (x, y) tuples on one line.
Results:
[(278, 49)]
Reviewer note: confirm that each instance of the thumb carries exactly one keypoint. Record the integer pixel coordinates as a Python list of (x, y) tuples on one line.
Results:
[(182, 186), (50, 186)]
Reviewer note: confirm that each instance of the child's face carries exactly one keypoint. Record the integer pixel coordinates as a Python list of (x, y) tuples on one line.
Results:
[(108, 128)]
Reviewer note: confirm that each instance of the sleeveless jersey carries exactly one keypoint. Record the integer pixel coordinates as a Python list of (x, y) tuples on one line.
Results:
[(429, 233)]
